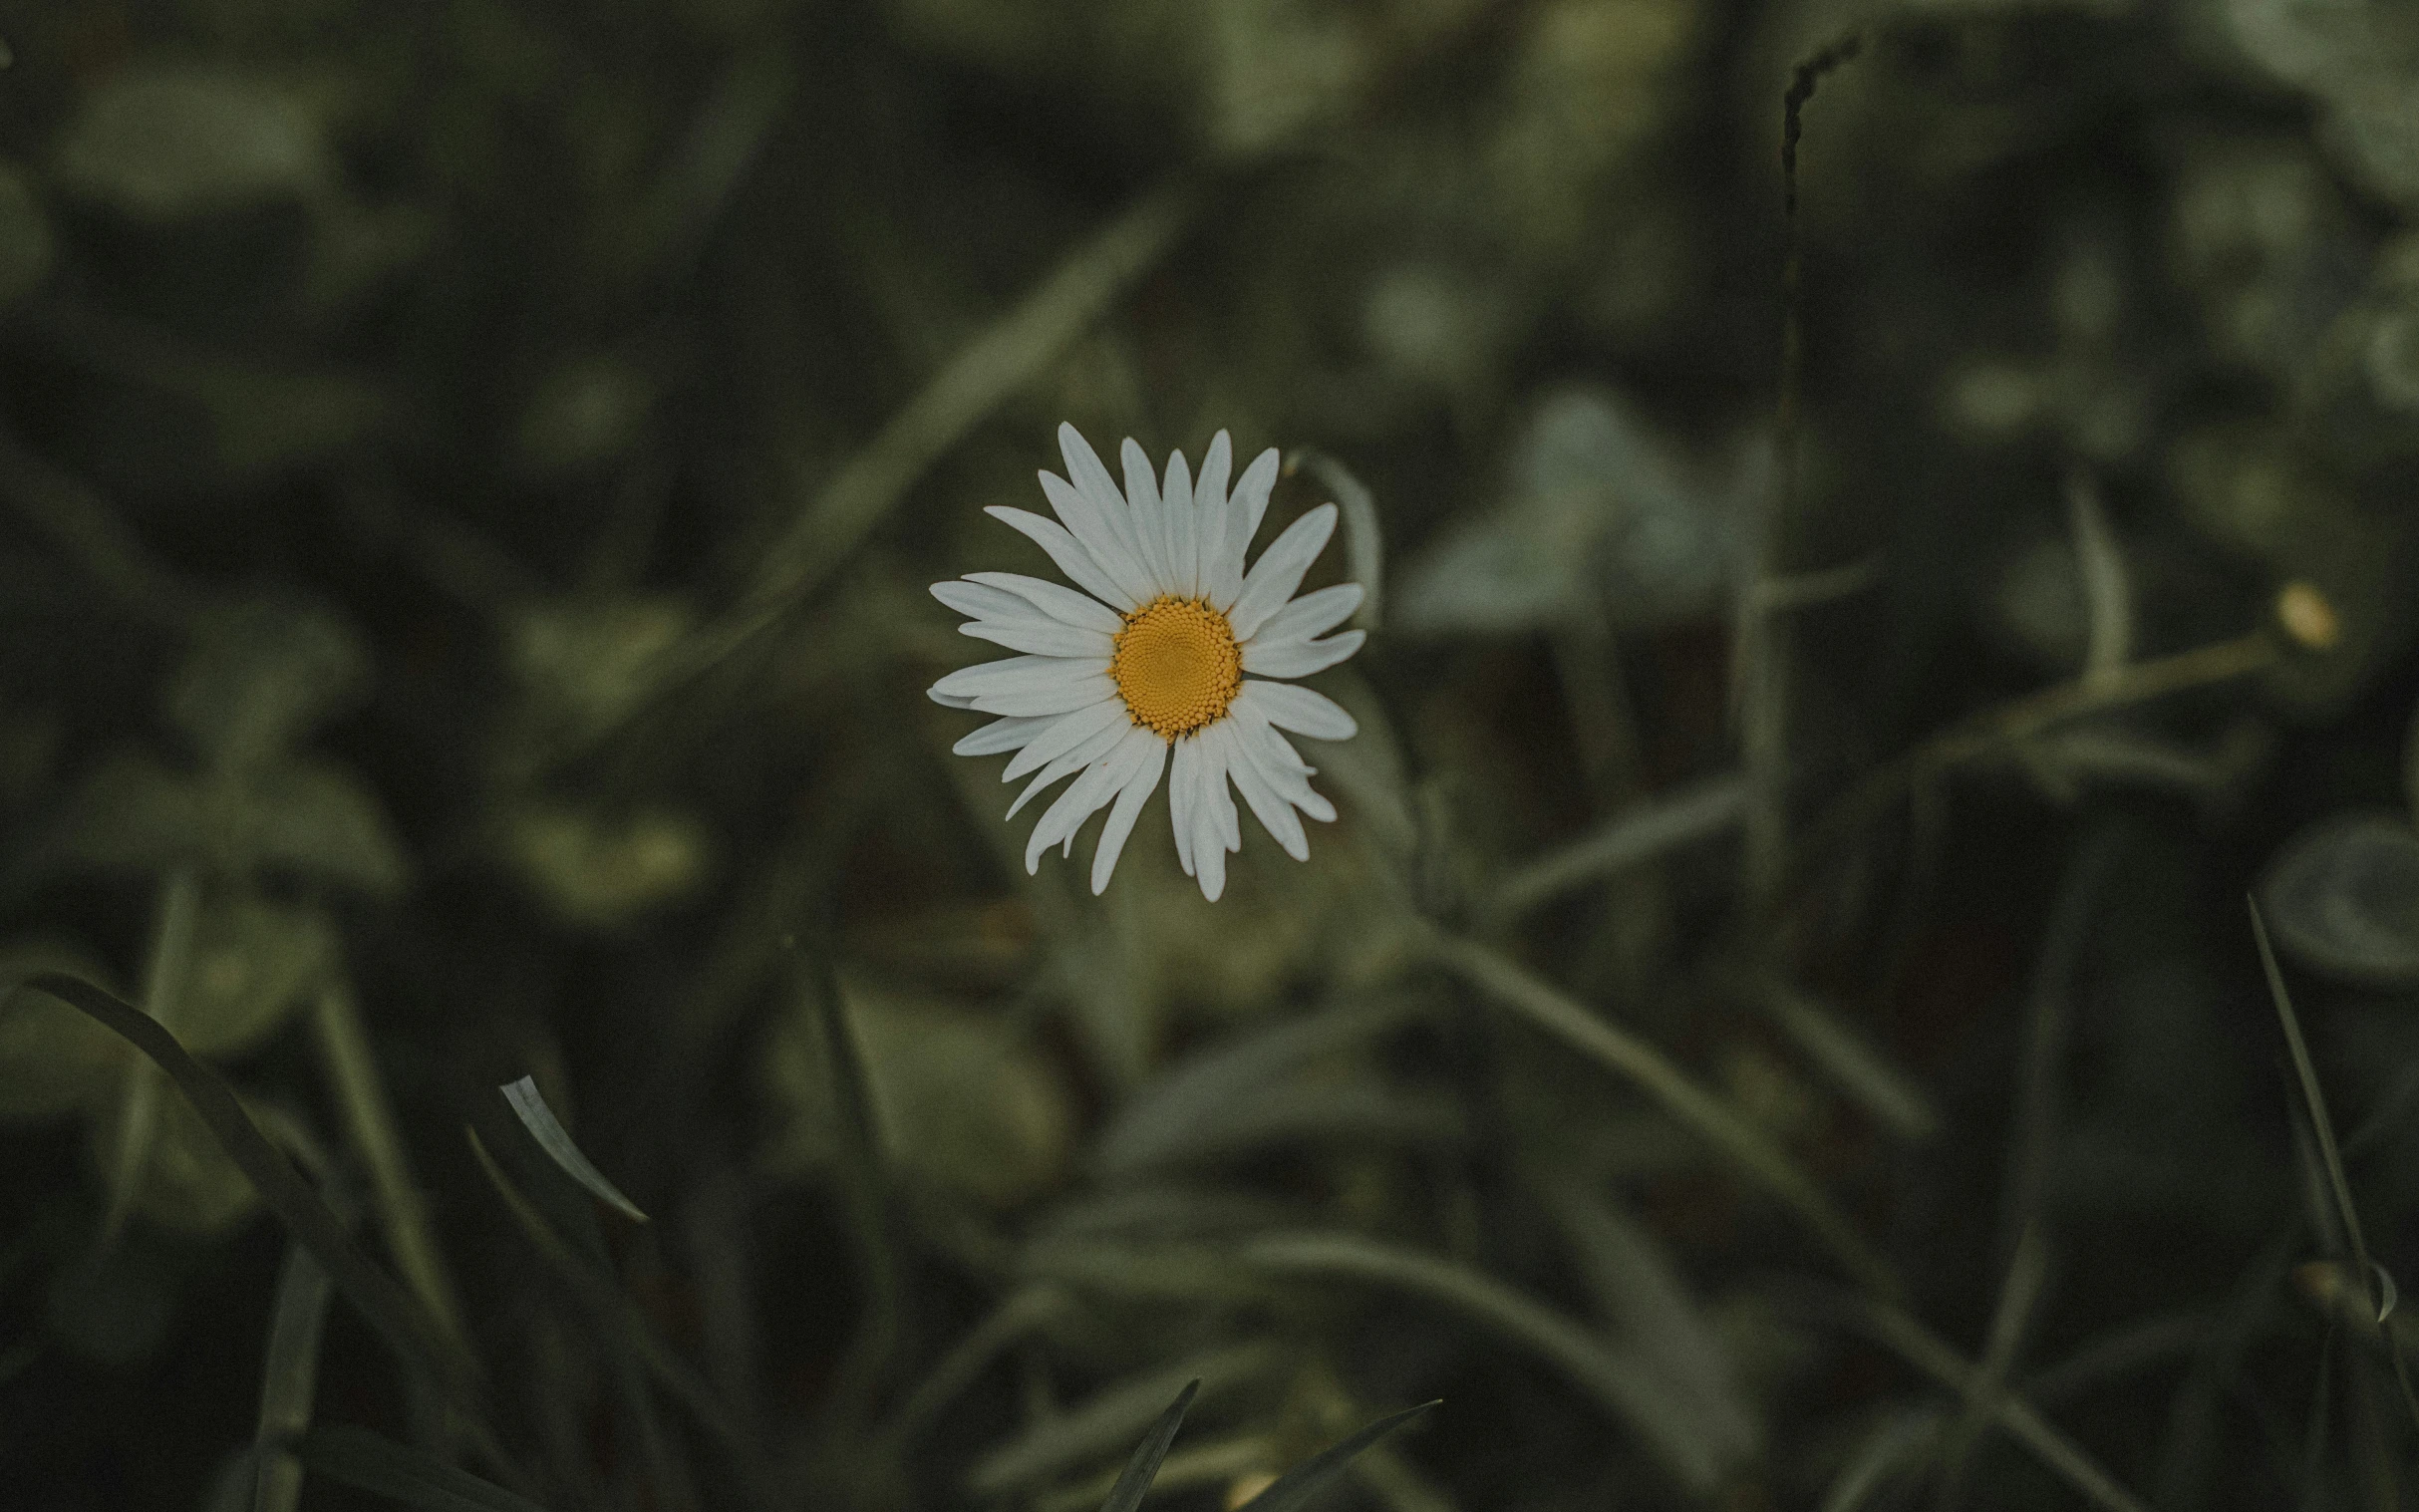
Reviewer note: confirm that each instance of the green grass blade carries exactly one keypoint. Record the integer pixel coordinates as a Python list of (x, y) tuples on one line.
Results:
[(1140, 1470), (1295, 1488), (372, 1462), (163, 977), (529, 1105), (289, 1378), (1622, 1381), (2323, 1124)]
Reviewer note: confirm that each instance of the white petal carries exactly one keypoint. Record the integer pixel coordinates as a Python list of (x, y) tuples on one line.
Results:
[(1301, 710), (1065, 699), (1275, 815), (1251, 491), (1072, 731), (1217, 464), (1140, 784), (1085, 795), (976, 601), (1106, 536), (1042, 635), (1067, 552), (1141, 497), (1003, 735), (1312, 614), (1180, 794), (1017, 673), (1243, 512), (949, 699), (1056, 600), (1209, 845), (1278, 573), (1301, 658), (1085, 471), (1283, 767), (1092, 750)]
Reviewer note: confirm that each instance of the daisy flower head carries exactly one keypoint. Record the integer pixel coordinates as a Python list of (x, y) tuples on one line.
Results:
[(1164, 663)]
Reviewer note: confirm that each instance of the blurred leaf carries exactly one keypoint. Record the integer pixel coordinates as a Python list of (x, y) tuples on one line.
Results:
[(185, 1182), (1135, 1481), (960, 1098), (253, 961), (601, 872), (1600, 515), (590, 662), (27, 248), (586, 411), (262, 674), (2343, 896), (53, 1060), (556, 1140), (372, 1462), (314, 818), (1298, 1486), (164, 141)]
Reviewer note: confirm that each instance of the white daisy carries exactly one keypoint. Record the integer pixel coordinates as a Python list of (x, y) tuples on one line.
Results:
[(1143, 672)]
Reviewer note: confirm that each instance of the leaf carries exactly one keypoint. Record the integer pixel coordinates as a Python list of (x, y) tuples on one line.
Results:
[(262, 674), (134, 814), (318, 819), (540, 1121), (2343, 897), (958, 1097), (599, 871), (1127, 1493), (183, 1180), (1296, 1487), (252, 963), (1602, 514), (163, 142), (372, 1462)]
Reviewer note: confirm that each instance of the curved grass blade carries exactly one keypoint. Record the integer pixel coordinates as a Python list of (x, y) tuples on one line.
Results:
[(1618, 1378), (556, 1140), (372, 1462), (1127, 1493), (1295, 1488), (1750, 1149), (397, 1317)]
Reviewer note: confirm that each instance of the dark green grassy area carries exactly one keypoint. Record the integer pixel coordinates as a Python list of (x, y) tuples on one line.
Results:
[(1774, 1024)]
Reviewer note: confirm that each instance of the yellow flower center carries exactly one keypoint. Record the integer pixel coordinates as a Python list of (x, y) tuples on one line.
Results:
[(1177, 665)]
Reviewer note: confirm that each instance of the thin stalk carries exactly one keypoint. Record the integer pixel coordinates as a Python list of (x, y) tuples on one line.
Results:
[(165, 973), (369, 1120)]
